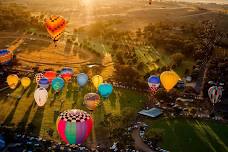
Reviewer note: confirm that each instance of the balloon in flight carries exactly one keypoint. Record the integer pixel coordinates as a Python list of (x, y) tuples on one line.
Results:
[(169, 79), (57, 84), (82, 79), (74, 126), (25, 82), (154, 83), (50, 75), (6, 57), (105, 90), (215, 94), (38, 76), (97, 80), (43, 83)]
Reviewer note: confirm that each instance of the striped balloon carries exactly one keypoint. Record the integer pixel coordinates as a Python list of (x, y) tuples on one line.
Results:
[(215, 94), (74, 126), (5, 57)]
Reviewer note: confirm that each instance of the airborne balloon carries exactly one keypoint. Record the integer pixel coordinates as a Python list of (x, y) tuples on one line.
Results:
[(44, 83), (105, 90), (169, 79), (25, 82), (82, 79), (50, 75), (38, 76), (154, 83), (5, 57), (74, 126), (97, 80), (215, 94), (57, 84), (12, 81), (91, 100)]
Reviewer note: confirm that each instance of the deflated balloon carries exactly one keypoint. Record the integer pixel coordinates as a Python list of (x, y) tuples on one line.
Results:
[(97, 80), (25, 82), (105, 90), (57, 84), (82, 79), (41, 96), (74, 126), (169, 79), (5, 57), (44, 83), (55, 26), (91, 100), (12, 81), (215, 94)]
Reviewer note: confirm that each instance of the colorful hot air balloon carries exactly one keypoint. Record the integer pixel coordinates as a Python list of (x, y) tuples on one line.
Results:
[(215, 94), (97, 80), (105, 90), (38, 76), (5, 57), (169, 79), (91, 100), (50, 75), (67, 73), (41, 96), (57, 84), (74, 126), (25, 82), (154, 83), (44, 83), (55, 26), (12, 81), (82, 79)]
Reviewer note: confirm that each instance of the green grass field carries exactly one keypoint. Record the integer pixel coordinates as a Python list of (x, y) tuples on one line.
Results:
[(181, 135)]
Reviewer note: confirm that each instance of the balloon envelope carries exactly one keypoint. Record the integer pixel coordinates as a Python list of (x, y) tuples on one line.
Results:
[(5, 57), (74, 126), (50, 75), (44, 83), (91, 100), (41, 96), (105, 89), (82, 79), (67, 70), (12, 81), (97, 80), (55, 26), (153, 82), (169, 79), (215, 94), (38, 76), (25, 82), (57, 84)]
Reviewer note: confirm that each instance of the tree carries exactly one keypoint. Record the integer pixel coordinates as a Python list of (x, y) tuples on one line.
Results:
[(177, 58)]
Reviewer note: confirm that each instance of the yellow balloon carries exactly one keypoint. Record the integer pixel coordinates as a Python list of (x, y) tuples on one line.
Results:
[(97, 80), (12, 81), (25, 82), (169, 79)]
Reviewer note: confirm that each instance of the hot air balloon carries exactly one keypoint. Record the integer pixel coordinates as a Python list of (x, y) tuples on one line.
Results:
[(91, 100), (25, 82), (55, 26), (105, 90), (74, 126), (5, 57), (215, 94), (169, 79), (12, 81), (57, 84), (38, 76), (41, 96), (50, 75), (154, 83), (44, 83), (97, 80), (67, 73), (82, 79)]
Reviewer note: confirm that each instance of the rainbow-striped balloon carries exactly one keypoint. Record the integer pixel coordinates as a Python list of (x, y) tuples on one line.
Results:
[(74, 126)]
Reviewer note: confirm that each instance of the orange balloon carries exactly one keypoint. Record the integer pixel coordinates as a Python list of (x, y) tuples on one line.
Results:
[(55, 26)]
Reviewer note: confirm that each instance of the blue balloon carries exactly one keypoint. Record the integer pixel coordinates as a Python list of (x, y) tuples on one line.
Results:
[(105, 89), (67, 70), (5, 57), (82, 79), (44, 83), (57, 84), (154, 82)]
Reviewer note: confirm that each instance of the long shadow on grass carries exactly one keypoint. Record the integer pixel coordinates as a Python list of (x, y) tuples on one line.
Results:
[(37, 121), (11, 114), (22, 124)]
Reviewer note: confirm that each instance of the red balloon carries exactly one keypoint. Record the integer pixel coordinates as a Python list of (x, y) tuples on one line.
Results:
[(50, 75)]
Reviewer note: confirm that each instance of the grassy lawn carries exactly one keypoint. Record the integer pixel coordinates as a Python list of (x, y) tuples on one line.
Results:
[(24, 111), (181, 135)]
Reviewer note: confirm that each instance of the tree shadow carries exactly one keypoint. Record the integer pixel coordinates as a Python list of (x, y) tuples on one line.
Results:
[(37, 121), (22, 124)]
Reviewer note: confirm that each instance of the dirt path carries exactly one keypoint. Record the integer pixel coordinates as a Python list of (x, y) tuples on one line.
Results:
[(139, 144)]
